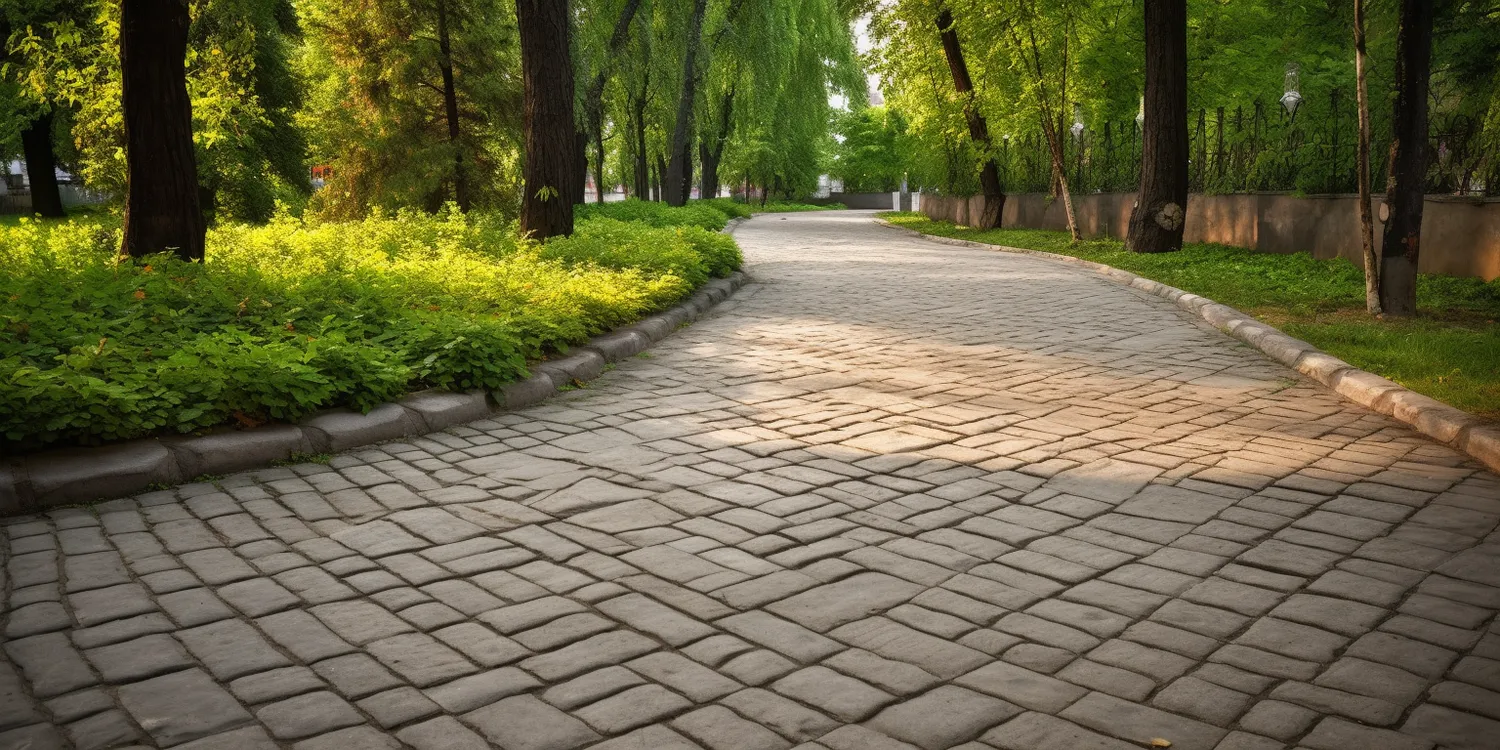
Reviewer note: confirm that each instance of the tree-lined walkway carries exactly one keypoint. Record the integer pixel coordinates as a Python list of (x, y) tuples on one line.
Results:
[(896, 492)]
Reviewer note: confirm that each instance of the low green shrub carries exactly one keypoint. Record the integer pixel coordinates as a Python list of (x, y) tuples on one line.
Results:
[(728, 206), (290, 317), (655, 213)]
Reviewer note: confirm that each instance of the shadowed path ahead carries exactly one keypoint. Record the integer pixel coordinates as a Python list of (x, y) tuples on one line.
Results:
[(893, 494)]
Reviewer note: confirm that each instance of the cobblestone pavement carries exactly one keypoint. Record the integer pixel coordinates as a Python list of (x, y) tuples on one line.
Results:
[(894, 494)]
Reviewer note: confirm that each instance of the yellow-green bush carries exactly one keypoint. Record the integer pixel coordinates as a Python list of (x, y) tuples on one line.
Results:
[(289, 317)]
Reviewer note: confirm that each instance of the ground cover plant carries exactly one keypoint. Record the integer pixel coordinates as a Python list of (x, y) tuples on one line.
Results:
[(1449, 351), (289, 317), (710, 213)]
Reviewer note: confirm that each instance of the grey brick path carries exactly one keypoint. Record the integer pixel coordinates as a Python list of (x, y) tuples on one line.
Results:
[(896, 494)]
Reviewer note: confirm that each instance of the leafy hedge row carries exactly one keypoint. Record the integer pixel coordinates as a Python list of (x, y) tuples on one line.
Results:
[(290, 317), (711, 213)]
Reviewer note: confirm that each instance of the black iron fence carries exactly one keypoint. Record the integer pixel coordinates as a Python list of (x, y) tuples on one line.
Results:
[(1259, 148)]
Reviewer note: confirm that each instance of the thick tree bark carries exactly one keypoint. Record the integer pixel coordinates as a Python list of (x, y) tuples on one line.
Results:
[(450, 108), (1406, 189), (678, 176), (580, 186), (162, 205), (1366, 221), (1161, 205), (979, 130), (41, 166), (550, 170)]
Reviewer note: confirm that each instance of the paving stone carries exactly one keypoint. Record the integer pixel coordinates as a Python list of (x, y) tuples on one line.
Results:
[(231, 648), (786, 718), (50, 664), (634, 707), (363, 737), (143, 657), (854, 598), (943, 717), (1202, 700), (601, 650), (654, 737), (442, 733), (471, 692), (718, 728), (356, 675), (1334, 733), (1359, 707), (1036, 731), (1451, 729), (420, 658), (525, 723), (1022, 687), (398, 706), (901, 643), (1278, 719), (684, 675), (1140, 724), (181, 706), (275, 684), (642, 613), (307, 715)]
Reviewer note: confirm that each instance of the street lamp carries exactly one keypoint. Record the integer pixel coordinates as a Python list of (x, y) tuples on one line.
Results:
[(1292, 99), (1077, 128)]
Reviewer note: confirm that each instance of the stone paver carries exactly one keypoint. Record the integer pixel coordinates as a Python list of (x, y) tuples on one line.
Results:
[(894, 494)]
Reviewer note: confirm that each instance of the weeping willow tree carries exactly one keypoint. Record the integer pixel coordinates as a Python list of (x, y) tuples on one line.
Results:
[(783, 61)]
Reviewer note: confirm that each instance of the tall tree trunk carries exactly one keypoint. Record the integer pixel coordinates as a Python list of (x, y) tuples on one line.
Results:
[(162, 205), (580, 184), (661, 177), (979, 130), (594, 97), (709, 154), (1161, 205), (450, 108), (1406, 189), (551, 167), (642, 170), (678, 176), (599, 165), (41, 166), (1366, 221)]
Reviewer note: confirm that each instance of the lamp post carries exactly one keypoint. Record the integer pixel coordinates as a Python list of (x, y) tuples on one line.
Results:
[(1292, 99)]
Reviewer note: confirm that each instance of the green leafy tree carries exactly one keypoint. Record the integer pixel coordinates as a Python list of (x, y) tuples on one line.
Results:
[(249, 152), (868, 155), (404, 119)]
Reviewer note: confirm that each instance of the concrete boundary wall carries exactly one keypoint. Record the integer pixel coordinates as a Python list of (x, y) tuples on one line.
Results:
[(1460, 236)]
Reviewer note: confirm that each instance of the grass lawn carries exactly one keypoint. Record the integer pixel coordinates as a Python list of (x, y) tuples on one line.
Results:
[(1449, 351)]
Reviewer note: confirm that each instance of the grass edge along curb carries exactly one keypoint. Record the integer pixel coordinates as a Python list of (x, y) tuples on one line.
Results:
[(1450, 426), (85, 474)]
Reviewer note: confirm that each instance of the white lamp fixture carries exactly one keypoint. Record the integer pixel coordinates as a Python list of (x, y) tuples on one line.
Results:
[(1292, 99)]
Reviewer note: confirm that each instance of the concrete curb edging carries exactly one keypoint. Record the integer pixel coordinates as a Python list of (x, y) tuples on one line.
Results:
[(1452, 427), (75, 475)]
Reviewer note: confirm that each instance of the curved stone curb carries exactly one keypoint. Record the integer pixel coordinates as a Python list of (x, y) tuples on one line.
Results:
[(76, 475), (1435, 419)]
